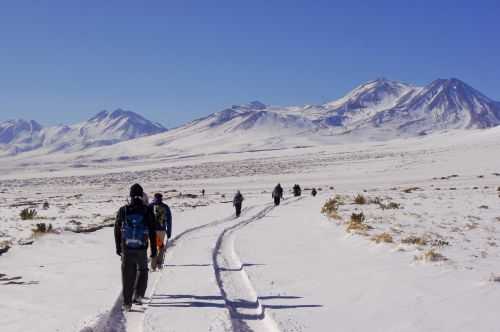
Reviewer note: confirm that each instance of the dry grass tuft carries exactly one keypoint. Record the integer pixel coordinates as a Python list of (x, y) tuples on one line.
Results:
[(383, 237), (431, 256), (28, 214), (330, 208), (42, 228), (357, 223), (360, 199), (412, 239)]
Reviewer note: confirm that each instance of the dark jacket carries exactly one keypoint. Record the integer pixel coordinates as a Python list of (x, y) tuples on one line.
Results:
[(278, 192), (238, 199), (166, 225), (135, 208)]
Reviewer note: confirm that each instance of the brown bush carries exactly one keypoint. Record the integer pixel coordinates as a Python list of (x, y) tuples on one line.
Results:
[(330, 208), (357, 223), (431, 256), (28, 214), (383, 237), (412, 239), (360, 199)]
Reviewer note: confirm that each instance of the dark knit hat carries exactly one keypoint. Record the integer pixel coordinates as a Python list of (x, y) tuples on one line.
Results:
[(136, 190)]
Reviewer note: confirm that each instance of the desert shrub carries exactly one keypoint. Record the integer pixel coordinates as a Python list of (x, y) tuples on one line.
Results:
[(392, 205), (357, 223), (330, 208), (498, 189), (431, 256), (43, 228), (439, 243), (360, 199), (28, 214), (383, 206), (383, 237), (412, 239)]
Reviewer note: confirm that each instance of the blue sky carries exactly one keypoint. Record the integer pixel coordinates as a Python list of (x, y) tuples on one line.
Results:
[(172, 61)]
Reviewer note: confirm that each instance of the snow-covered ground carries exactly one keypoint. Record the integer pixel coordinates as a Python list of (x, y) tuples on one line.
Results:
[(289, 268)]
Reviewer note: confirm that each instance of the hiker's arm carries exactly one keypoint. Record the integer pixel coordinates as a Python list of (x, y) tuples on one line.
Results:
[(169, 222), (151, 222), (118, 232)]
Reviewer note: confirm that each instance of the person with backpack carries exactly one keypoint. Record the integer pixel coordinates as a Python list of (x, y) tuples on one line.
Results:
[(134, 226), (277, 194), (314, 192), (297, 191), (237, 202), (163, 218)]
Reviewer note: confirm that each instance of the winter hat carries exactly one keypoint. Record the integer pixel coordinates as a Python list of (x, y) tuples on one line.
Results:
[(136, 190), (158, 197)]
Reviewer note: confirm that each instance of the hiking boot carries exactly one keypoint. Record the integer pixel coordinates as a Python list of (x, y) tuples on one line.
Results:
[(139, 300), (127, 307)]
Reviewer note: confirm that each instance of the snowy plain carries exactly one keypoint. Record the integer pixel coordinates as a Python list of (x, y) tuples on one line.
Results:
[(286, 268)]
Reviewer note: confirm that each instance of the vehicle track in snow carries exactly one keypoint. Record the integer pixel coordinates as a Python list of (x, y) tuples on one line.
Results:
[(116, 320), (241, 300)]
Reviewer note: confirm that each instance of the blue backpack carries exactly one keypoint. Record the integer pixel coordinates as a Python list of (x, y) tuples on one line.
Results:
[(134, 231)]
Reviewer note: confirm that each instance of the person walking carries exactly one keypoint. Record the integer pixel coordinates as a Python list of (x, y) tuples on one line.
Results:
[(134, 226), (297, 191), (277, 194), (314, 192), (163, 219), (237, 202)]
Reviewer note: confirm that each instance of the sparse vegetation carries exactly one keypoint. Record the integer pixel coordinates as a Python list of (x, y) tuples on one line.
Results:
[(431, 256), (412, 239), (330, 208), (43, 228), (383, 237), (357, 223), (360, 199), (28, 214), (383, 206)]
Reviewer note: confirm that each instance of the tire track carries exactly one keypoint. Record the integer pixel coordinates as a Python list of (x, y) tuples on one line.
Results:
[(115, 320), (241, 300)]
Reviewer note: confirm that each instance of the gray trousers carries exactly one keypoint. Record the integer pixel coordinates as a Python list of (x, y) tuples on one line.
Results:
[(134, 274)]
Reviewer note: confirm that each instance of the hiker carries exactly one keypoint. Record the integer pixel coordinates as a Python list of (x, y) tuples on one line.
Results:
[(277, 194), (297, 191), (163, 218), (203, 192), (134, 225), (314, 192), (237, 202)]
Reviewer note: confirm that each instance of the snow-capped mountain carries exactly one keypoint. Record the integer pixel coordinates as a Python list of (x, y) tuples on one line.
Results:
[(377, 110), (443, 104), (381, 108), (105, 128)]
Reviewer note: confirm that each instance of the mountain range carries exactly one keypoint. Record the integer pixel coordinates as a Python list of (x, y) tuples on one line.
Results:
[(377, 110), (105, 128)]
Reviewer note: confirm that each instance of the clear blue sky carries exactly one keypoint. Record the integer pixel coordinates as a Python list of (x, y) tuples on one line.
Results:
[(172, 61)]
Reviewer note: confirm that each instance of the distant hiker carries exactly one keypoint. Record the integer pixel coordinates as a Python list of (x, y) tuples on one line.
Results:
[(163, 218), (134, 225), (277, 194), (203, 192), (297, 191), (314, 192), (237, 202)]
